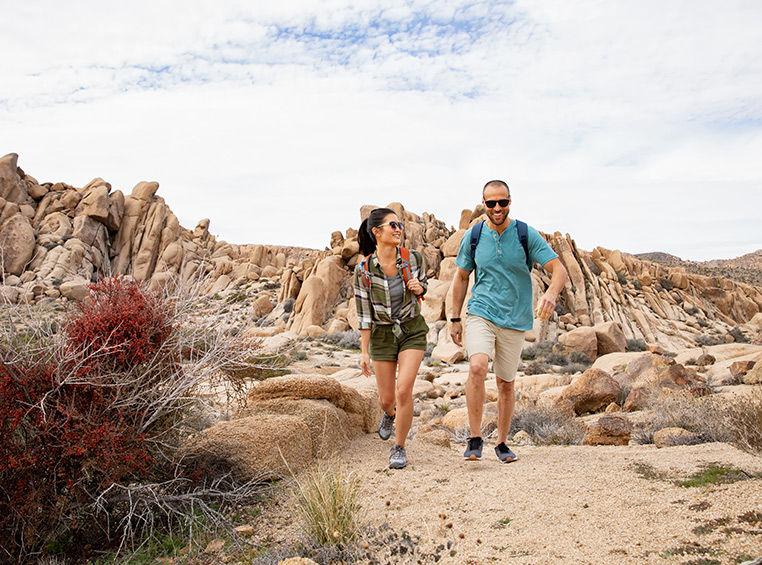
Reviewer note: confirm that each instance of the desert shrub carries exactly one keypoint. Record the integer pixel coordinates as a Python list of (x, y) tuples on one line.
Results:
[(547, 425), (536, 350), (621, 278), (580, 357), (560, 308), (349, 339), (91, 419), (326, 499), (666, 284), (636, 284), (706, 340), (573, 368), (635, 345), (738, 336), (554, 358), (704, 416), (536, 368), (744, 419)]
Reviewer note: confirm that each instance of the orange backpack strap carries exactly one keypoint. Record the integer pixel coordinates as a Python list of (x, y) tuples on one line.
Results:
[(406, 274), (365, 271)]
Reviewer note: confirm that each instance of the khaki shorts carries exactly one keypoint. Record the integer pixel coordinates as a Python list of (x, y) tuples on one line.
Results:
[(503, 345), (384, 345)]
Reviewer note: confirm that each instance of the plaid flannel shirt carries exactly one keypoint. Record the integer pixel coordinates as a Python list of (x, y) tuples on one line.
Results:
[(374, 304)]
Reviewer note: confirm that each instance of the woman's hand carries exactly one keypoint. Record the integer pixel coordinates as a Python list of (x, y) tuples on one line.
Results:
[(415, 286), (365, 365)]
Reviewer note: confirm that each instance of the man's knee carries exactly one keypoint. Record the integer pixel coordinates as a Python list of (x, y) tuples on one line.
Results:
[(505, 387), (477, 366)]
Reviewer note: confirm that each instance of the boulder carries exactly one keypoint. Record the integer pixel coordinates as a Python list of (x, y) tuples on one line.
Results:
[(76, 290), (754, 376), (739, 369), (17, 244), (582, 339), (262, 447), (262, 306), (449, 352), (610, 338), (670, 437), (593, 390), (609, 429)]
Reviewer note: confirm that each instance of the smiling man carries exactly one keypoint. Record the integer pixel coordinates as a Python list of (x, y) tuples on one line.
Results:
[(500, 308)]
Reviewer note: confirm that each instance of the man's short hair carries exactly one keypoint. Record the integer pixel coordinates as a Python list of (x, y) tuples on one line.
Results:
[(496, 183)]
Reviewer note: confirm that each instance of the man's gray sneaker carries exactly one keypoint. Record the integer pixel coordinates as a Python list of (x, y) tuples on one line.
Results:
[(504, 453), (398, 458), (474, 449), (386, 426)]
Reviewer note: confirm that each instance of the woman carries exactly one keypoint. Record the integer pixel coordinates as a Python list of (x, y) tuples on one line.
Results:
[(392, 330)]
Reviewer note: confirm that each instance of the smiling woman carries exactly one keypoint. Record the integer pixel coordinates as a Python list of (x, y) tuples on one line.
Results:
[(389, 285)]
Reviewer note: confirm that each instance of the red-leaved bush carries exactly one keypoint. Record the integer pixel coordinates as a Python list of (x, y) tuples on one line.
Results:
[(74, 418), (122, 322)]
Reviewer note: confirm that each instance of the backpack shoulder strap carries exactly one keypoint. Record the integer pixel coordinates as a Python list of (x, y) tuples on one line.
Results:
[(524, 240), (406, 274), (365, 271), (476, 232)]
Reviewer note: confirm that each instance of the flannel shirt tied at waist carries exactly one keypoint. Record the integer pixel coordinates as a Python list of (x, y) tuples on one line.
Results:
[(374, 303)]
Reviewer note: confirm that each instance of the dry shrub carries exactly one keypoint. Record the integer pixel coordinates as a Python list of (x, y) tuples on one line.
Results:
[(744, 418), (326, 499), (701, 415), (91, 419), (547, 425)]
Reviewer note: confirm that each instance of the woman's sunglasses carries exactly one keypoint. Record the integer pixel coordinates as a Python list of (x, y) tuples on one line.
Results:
[(491, 203), (394, 225)]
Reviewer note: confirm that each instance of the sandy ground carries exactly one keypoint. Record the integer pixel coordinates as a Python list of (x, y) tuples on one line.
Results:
[(573, 504), (556, 504)]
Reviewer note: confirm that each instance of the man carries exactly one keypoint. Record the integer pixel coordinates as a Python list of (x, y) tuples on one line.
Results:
[(499, 310)]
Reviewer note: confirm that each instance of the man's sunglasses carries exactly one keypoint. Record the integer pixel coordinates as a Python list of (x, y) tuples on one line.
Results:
[(394, 225), (492, 203)]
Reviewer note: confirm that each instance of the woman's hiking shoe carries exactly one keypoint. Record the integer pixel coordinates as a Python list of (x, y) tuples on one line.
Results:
[(398, 458), (504, 453), (474, 449), (386, 426)]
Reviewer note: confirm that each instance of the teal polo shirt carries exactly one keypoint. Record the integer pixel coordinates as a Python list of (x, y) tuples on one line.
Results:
[(502, 291)]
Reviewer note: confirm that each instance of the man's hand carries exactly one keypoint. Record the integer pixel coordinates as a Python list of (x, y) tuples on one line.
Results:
[(546, 305), (456, 333)]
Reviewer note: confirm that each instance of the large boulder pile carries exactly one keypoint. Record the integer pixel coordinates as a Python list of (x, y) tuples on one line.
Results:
[(55, 239)]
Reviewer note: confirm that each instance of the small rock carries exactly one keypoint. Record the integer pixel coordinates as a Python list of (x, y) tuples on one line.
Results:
[(245, 530), (215, 546), (671, 437)]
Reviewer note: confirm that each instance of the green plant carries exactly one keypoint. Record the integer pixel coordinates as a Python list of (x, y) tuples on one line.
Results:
[(554, 358), (713, 474), (326, 499), (635, 345)]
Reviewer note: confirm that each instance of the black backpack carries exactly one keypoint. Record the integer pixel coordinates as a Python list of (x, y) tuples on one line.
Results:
[(476, 232)]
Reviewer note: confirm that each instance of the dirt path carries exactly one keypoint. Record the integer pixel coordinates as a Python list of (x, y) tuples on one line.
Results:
[(573, 504)]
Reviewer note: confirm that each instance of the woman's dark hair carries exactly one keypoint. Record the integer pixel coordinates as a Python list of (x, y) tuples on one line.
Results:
[(365, 236)]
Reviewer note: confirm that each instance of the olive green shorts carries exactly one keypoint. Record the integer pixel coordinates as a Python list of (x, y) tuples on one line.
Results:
[(384, 345)]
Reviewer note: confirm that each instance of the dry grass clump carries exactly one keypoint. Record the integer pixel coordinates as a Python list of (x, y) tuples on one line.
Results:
[(703, 416), (744, 419), (547, 425), (326, 500)]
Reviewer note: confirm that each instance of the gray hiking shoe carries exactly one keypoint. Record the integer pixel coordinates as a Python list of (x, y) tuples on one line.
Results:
[(386, 426), (398, 458), (504, 453), (474, 449)]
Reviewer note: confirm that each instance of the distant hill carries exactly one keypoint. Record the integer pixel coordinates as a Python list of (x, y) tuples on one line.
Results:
[(747, 268)]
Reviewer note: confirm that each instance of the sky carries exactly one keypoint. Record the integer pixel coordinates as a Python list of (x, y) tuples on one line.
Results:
[(630, 125)]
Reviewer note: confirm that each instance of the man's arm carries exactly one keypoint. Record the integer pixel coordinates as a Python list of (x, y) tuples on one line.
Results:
[(547, 302), (459, 288)]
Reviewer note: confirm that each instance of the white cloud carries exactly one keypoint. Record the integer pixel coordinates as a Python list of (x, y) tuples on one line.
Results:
[(627, 125)]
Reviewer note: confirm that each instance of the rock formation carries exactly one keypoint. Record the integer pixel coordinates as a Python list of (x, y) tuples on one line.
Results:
[(56, 238)]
